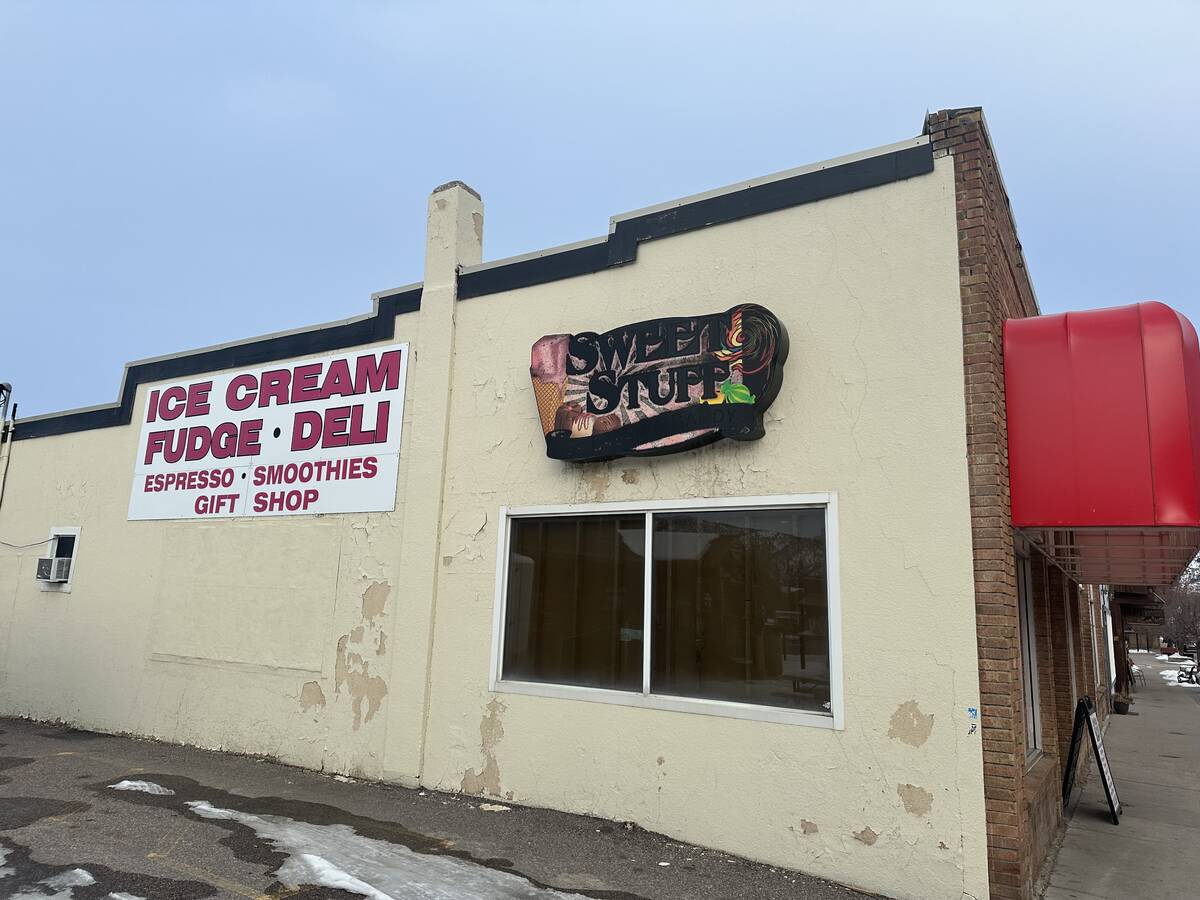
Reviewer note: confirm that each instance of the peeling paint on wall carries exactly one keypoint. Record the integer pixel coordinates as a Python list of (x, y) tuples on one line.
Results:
[(467, 527), (808, 827), (910, 725), (373, 600), (868, 836), (354, 673), (491, 730), (916, 800), (594, 483), (311, 695)]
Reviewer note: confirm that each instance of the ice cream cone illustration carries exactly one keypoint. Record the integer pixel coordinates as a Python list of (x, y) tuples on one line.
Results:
[(549, 398), (548, 368)]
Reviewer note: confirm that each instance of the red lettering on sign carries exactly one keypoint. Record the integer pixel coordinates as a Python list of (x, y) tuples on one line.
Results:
[(241, 392), (306, 430), (337, 425), (197, 399), (338, 382), (273, 385), (172, 404), (304, 383), (285, 501), (377, 373)]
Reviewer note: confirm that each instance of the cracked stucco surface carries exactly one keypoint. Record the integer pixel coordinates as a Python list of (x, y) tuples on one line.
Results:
[(872, 407), (218, 634), (205, 649)]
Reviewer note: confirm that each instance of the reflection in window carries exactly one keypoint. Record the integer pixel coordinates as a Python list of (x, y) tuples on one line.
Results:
[(575, 601), (739, 607)]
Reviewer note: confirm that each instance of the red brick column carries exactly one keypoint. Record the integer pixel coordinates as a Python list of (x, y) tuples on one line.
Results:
[(994, 286)]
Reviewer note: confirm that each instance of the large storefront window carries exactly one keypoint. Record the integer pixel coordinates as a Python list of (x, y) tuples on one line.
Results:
[(724, 610), (574, 613)]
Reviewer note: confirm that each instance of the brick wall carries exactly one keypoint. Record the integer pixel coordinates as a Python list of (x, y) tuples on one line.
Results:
[(1022, 804)]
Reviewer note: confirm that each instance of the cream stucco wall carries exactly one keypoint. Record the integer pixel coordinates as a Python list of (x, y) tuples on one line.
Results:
[(207, 632), (871, 408), (258, 635)]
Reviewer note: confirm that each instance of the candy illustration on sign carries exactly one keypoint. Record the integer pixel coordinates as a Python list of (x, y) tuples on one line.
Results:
[(315, 437), (658, 386)]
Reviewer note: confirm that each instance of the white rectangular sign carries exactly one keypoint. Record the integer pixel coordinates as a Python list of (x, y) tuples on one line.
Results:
[(291, 438)]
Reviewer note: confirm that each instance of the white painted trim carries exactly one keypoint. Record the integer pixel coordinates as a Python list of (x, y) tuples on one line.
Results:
[(61, 587), (834, 720), (833, 602), (647, 598), (501, 603), (769, 501), (726, 708)]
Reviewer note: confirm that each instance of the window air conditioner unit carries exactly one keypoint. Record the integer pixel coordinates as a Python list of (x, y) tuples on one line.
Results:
[(53, 569)]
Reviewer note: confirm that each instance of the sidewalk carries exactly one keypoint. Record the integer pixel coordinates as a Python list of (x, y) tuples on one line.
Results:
[(1155, 758)]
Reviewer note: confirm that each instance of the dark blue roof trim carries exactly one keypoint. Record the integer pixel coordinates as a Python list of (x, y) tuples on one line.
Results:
[(377, 327), (621, 246), (618, 249)]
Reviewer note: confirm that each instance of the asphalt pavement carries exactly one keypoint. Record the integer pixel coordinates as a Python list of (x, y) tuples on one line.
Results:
[(86, 815)]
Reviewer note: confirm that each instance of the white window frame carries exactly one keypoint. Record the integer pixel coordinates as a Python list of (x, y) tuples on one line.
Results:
[(61, 587), (1095, 637), (1109, 654), (1027, 650), (834, 719)]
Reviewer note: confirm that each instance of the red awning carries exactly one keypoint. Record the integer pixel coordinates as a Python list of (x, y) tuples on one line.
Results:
[(1104, 440)]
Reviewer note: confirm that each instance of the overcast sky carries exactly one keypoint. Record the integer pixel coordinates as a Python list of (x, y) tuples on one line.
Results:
[(180, 174)]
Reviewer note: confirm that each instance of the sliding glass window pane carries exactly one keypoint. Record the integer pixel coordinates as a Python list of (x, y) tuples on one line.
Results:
[(740, 607), (574, 608)]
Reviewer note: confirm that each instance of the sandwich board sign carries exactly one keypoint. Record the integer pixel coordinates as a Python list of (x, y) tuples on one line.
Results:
[(1085, 716)]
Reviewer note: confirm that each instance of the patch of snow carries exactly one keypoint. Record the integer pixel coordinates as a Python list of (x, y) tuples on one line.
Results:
[(494, 807), (5, 871), (70, 878), (146, 787), (308, 868), (123, 896), (1141, 651), (336, 856), (664, 863), (62, 885), (1186, 684), (1162, 657)]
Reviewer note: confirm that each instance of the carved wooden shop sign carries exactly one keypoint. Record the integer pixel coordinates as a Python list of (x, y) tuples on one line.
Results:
[(658, 386)]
